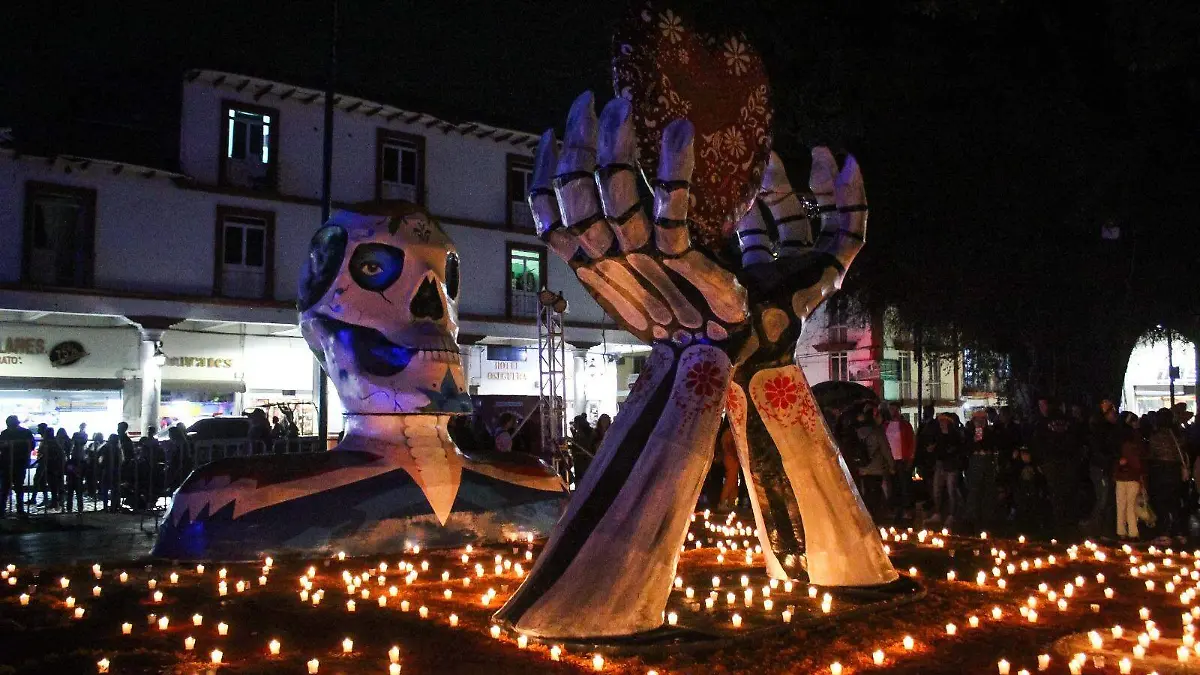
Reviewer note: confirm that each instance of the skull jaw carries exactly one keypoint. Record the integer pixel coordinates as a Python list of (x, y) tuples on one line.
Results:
[(374, 376)]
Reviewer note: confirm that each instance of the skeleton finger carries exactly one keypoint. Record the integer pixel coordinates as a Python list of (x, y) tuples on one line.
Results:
[(542, 202), (617, 176), (672, 188), (841, 201), (726, 297), (574, 184), (753, 238), (789, 212)]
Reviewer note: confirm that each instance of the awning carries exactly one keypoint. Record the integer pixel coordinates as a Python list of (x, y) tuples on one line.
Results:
[(205, 386), (61, 383)]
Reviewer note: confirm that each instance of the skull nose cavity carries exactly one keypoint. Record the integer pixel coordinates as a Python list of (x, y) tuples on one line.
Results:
[(427, 302)]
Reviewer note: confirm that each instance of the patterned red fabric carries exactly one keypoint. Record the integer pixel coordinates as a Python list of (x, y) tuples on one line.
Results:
[(670, 71)]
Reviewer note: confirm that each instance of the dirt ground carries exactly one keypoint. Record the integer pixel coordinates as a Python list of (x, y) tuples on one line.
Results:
[(44, 636)]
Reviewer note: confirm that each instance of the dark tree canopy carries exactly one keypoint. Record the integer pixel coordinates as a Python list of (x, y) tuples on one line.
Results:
[(997, 138)]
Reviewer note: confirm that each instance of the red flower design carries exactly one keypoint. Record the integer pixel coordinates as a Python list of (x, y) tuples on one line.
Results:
[(703, 379), (781, 392)]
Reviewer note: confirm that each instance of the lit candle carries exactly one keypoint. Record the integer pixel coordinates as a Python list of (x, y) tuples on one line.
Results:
[(393, 669), (973, 621), (597, 662), (200, 569), (423, 611), (163, 622), (313, 667), (102, 666), (64, 582), (152, 583), (672, 618), (24, 599), (555, 653), (347, 646), (768, 604), (1043, 661), (126, 628), (522, 642), (349, 605), (835, 668), (222, 628), (453, 620), (1095, 639), (95, 591), (1139, 652), (403, 605), (79, 612), (951, 629), (158, 596), (382, 600), (1117, 632), (217, 655), (909, 643), (495, 630), (262, 580), (221, 573), (877, 657), (241, 586), (1108, 593), (1126, 666), (70, 602), (197, 620), (787, 616), (189, 643), (737, 620), (174, 578), (1002, 667)]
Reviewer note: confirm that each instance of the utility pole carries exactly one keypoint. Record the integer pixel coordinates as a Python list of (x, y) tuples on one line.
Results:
[(327, 202)]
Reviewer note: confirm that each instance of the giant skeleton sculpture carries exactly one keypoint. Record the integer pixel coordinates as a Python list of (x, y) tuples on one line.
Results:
[(378, 300), (721, 292)]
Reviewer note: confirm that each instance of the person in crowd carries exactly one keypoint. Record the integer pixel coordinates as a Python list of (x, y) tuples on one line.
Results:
[(79, 439), (1028, 501), (73, 467), (924, 459), (56, 468), (260, 432), (1166, 472), (982, 456), (1007, 434), (1056, 451), (903, 443), (728, 500), (278, 428), (506, 428), (125, 442), (947, 451), (602, 424), (879, 464), (92, 469), (16, 447), (108, 466), (1104, 447), (1128, 475)]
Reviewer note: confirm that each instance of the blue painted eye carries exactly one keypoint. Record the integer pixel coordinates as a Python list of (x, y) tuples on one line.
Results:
[(375, 267)]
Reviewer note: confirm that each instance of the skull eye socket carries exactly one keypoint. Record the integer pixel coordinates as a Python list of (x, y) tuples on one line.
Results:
[(452, 275), (325, 254), (376, 267)]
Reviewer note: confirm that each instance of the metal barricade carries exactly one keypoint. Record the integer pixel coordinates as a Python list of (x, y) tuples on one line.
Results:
[(117, 475)]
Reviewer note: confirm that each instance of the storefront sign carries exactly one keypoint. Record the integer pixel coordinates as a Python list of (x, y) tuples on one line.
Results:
[(66, 353), (198, 362)]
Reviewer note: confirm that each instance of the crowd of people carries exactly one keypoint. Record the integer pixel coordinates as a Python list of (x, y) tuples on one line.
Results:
[(54, 469), (1110, 473), (1104, 472)]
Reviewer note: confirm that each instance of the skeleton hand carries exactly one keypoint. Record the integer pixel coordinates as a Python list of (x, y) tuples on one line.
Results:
[(642, 270)]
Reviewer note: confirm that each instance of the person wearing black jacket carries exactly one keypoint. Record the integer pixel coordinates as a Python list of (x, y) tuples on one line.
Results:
[(982, 449), (948, 466), (1104, 448), (1055, 448), (16, 447)]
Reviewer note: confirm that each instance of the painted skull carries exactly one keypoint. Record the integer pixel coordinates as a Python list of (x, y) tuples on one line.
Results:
[(378, 307)]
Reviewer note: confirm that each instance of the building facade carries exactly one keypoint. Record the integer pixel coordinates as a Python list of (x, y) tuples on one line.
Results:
[(134, 293)]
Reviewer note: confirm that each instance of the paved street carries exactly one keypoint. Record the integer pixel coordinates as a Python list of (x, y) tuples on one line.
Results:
[(93, 537)]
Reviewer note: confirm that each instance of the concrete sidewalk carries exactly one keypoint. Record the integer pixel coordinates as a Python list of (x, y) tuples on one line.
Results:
[(71, 539)]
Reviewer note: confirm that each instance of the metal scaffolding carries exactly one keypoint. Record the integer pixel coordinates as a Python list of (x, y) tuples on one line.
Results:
[(552, 376)]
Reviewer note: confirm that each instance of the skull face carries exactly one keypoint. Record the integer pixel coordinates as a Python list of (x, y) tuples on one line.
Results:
[(379, 308)]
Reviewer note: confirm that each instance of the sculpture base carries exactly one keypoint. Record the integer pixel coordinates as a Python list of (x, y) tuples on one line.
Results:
[(694, 634), (247, 507)]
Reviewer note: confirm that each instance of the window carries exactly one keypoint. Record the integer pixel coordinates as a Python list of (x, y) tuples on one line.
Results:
[(245, 256), (400, 166), (249, 146), (839, 332), (526, 270), (904, 374), (519, 172), (60, 225), (839, 366)]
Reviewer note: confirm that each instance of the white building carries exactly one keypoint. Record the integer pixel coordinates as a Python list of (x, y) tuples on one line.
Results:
[(107, 261), (1148, 381), (841, 343)]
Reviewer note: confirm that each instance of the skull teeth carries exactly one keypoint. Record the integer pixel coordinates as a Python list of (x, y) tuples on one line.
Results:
[(439, 355)]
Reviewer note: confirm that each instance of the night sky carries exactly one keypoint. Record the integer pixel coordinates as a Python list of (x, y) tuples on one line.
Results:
[(996, 137)]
